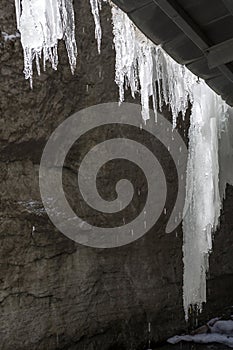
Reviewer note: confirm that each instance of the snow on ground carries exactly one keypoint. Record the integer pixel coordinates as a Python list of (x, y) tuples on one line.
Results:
[(217, 331)]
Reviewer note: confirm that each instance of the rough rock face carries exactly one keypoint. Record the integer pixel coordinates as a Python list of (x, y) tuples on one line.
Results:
[(54, 293)]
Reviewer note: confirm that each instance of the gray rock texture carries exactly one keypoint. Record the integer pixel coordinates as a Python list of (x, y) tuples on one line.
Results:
[(54, 293)]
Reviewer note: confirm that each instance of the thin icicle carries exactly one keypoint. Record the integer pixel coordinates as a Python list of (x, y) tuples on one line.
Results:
[(95, 9), (41, 24), (68, 28)]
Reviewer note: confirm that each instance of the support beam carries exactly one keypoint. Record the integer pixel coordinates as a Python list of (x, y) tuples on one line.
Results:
[(190, 29), (229, 5), (184, 22), (220, 54)]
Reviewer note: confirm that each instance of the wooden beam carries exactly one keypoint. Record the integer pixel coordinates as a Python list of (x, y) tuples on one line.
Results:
[(184, 22), (220, 54), (229, 5), (193, 32)]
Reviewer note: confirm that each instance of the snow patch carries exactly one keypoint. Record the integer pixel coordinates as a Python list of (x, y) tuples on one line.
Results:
[(10, 37), (219, 331)]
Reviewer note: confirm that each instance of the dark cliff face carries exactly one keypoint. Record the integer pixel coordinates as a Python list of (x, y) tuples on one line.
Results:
[(55, 293)]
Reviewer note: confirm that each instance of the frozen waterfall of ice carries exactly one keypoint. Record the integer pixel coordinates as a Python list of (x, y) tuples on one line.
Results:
[(41, 24), (139, 65), (146, 69)]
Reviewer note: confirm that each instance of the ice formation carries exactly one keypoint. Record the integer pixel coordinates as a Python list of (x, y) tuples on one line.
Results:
[(95, 9), (139, 66), (203, 202), (146, 69), (41, 24)]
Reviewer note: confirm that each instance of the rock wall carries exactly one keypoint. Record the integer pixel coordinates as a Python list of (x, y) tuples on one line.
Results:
[(54, 293)]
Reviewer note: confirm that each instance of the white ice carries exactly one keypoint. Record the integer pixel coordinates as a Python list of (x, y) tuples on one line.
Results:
[(10, 37), (95, 9), (140, 64), (41, 24)]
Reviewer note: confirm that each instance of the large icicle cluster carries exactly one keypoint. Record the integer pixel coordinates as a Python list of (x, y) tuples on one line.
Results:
[(139, 65), (41, 24)]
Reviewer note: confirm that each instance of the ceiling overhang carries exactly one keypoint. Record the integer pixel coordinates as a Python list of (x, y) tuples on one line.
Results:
[(198, 34)]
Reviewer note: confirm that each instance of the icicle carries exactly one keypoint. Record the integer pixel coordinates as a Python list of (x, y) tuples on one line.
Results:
[(95, 9), (124, 41), (68, 28), (41, 24)]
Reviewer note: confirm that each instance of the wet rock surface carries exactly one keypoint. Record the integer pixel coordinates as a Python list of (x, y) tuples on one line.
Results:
[(54, 293)]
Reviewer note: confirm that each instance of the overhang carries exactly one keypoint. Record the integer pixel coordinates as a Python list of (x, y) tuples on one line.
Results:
[(196, 33)]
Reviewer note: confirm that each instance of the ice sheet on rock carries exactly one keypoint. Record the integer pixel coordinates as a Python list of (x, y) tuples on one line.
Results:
[(41, 24)]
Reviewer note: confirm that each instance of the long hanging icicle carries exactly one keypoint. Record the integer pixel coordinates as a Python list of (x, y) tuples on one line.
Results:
[(96, 6), (41, 24), (203, 201)]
